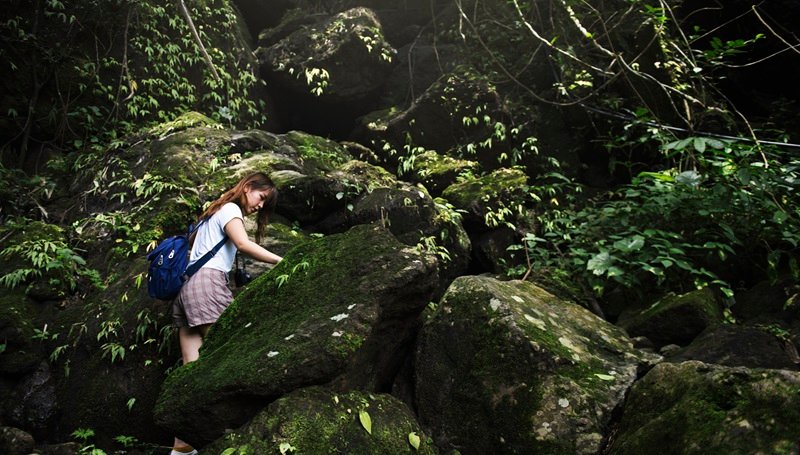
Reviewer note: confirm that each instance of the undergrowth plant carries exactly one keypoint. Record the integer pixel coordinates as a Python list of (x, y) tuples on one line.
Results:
[(725, 214), (36, 250)]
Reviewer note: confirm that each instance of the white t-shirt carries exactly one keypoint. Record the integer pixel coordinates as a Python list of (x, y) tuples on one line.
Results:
[(210, 233)]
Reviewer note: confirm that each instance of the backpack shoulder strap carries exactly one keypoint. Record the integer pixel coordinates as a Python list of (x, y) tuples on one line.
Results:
[(192, 269)]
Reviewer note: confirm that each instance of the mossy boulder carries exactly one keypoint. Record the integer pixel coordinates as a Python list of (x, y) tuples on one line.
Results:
[(410, 213), (437, 171), (738, 345), (316, 420), (149, 187), (675, 319), (697, 408), (341, 309), (454, 117), (489, 200), (505, 367), (324, 190), (300, 164), (349, 47)]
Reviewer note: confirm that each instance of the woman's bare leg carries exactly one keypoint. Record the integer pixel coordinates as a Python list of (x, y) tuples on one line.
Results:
[(190, 340)]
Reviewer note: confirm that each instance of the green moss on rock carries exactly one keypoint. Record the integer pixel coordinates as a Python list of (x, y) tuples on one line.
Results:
[(317, 421), (486, 188), (491, 199), (321, 153), (301, 323), (182, 122), (438, 172), (367, 175), (697, 408)]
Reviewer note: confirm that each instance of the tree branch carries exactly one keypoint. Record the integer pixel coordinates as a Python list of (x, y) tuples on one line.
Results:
[(196, 35)]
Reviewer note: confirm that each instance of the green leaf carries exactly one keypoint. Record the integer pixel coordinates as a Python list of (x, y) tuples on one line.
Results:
[(600, 263), (413, 439), (229, 451), (689, 178), (634, 243), (699, 144), (654, 270), (779, 217), (366, 421)]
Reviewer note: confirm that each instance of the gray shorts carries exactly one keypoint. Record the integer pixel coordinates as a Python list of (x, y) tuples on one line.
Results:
[(202, 299)]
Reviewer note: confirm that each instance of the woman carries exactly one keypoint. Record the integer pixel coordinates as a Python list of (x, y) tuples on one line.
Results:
[(206, 295)]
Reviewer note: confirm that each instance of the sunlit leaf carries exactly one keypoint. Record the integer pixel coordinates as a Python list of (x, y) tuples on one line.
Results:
[(366, 421), (413, 439), (605, 377), (600, 263)]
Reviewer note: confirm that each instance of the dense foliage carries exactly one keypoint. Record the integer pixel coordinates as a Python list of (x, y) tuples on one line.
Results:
[(726, 214), (84, 74)]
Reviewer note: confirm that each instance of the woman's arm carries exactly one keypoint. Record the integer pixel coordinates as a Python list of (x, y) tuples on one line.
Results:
[(237, 234)]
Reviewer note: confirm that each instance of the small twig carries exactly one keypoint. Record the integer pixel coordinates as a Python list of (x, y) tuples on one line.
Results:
[(527, 260), (793, 47)]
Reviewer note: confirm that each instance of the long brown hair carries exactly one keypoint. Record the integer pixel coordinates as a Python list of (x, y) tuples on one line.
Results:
[(238, 195)]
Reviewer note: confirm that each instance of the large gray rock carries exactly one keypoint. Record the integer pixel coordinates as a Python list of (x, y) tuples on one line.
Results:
[(14, 441), (340, 309), (696, 408), (318, 421), (505, 367)]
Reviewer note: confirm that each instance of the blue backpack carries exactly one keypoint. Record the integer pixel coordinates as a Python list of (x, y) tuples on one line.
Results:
[(168, 271)]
